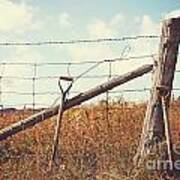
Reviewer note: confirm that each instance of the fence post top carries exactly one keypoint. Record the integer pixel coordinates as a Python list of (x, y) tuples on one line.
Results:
[(171, 29), (173, 21)]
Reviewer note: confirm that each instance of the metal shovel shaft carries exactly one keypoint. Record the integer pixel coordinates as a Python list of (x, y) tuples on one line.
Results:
[(56, 135)]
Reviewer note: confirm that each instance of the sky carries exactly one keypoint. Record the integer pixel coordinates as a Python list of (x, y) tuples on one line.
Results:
[(34, 21)]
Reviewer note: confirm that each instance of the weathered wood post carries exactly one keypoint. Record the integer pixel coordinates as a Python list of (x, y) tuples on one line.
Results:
[(153, 130)]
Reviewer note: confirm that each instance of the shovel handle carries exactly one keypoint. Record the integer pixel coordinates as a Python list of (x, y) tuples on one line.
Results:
[(66, 78)]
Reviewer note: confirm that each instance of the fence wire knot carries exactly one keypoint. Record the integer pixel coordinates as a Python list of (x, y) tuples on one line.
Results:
[(163, 90)]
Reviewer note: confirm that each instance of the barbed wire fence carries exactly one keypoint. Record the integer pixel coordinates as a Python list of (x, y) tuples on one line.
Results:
[(100, 40), (35, 78)]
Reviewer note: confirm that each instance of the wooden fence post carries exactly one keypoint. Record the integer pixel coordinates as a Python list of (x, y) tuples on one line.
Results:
[(153, 129)]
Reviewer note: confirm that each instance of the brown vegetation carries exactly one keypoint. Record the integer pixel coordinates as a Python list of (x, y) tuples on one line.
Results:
[(91, 147)]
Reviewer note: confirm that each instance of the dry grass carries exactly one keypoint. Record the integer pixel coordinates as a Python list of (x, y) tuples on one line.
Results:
[(91, 147)]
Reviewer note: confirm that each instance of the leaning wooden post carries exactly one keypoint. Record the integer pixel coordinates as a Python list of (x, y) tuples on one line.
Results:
[(153, 130), (76, 100)]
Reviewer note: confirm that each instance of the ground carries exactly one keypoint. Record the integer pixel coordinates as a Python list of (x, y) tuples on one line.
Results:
[(92, 146)]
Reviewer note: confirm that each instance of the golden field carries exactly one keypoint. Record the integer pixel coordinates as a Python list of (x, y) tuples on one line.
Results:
[(91, 146)]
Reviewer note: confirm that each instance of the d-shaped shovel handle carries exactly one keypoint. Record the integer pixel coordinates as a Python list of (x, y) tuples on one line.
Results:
[(67, 79)]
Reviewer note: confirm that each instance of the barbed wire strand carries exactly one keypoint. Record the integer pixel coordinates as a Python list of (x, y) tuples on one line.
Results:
[(78, 41), (74, 62)]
